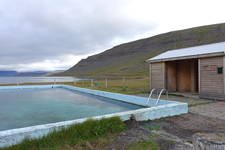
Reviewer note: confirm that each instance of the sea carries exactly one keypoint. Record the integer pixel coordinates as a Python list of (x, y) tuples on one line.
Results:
[(9, 80)]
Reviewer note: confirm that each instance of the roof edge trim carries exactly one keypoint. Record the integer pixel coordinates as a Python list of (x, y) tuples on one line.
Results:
[(188, 57)]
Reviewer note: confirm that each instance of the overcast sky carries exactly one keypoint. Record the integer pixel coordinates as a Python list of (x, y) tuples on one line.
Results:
[(48, 35)]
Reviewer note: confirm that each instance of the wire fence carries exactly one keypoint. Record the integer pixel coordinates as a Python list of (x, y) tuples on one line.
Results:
[(122, 83), (141, 84)]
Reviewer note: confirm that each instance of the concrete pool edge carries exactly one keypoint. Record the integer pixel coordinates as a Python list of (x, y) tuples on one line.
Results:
[(29, 87), (121, 97), (14, 136)]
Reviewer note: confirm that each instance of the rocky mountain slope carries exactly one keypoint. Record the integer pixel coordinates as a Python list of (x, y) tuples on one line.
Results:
[(129, 59)]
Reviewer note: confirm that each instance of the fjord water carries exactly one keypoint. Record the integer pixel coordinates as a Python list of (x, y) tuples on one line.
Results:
[(28, 107), (8, 80)]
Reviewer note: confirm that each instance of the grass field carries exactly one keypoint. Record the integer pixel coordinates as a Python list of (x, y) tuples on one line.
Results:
[(132, 85)]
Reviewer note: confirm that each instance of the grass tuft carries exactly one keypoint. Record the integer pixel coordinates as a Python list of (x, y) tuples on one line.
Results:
[(72, 135)]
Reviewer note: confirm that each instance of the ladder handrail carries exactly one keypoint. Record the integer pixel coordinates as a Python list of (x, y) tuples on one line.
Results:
[(149, 96), (160, 95)]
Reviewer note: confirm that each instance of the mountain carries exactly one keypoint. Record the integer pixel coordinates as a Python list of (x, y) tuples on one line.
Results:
[(30, 74), (7, 73), (36, 73), (129, 59)]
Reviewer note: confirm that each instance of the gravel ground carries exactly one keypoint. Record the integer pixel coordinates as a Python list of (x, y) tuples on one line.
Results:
[(179, 129), (134, 134), (171, 133)]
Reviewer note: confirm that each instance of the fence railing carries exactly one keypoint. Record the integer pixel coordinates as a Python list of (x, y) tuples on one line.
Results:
[(122, 83), (119, 83)]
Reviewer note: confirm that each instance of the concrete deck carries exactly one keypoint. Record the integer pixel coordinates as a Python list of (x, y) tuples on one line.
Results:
[(184, 99), (187, 94), (214, 110), (198, 106)]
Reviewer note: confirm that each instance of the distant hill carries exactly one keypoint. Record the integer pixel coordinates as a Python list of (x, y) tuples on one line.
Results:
[(7, 73), (36, 73), (54, 73), (30, 74), (129, 59)]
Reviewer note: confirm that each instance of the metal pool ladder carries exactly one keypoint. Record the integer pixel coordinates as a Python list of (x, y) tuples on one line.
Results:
[(160, 95), (149, 97)]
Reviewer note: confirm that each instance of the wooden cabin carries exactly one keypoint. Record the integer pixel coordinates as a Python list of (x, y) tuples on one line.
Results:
[(196, 69)]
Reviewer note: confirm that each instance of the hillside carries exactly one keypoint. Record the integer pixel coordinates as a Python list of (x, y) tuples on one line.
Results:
[(129, 59), (7, 73)]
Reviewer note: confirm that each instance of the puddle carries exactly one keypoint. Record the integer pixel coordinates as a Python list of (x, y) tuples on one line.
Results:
[(156, 128), (155, 125)]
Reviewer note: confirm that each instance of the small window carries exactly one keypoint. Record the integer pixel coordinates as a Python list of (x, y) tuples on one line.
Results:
[(220, 70)]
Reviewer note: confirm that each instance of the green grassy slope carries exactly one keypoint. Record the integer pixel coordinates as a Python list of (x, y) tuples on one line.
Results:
[(129, 59)]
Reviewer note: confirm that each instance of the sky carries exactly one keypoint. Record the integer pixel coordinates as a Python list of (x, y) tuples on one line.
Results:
[(49, 35)]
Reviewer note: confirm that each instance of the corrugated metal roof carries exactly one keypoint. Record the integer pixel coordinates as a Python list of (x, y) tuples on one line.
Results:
[(191, 51)]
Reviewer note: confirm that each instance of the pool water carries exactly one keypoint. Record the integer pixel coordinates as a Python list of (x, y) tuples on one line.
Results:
[(29, 107)]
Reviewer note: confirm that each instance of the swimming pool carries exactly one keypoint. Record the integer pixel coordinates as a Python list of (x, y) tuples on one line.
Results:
[(30, 107), (13, 136)]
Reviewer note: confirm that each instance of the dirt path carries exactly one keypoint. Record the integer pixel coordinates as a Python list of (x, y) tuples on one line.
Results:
[(177, 128)]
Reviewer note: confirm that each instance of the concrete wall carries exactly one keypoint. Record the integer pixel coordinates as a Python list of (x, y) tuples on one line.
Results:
[(211, 83), (157, 76)]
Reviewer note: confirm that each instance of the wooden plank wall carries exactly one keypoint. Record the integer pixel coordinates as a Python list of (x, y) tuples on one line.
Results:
[(185, 76), (211, 83), (178, 75), (171, 75), (157, 75), (192, 76)]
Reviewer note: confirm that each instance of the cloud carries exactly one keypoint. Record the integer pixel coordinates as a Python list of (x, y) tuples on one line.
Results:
[(35, 31), (39, 30), (46, 65)]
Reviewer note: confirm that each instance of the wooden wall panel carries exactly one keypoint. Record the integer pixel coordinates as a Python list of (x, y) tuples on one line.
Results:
[(157, 75), (211, 82), (171, 75), (185, 76), (192, 76), (177, 76)]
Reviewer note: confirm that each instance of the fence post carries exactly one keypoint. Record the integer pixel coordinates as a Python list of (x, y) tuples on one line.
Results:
[(82, 82), (91, 82), (17, 83), (75, 81), (54, 81), (123, 83), (105, 83)]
